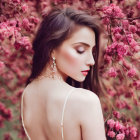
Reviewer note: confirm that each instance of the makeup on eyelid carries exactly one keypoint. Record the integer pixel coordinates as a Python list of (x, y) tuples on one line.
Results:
[(80, 49)]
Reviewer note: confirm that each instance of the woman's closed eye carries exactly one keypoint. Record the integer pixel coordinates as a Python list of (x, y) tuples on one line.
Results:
[(80, 50)]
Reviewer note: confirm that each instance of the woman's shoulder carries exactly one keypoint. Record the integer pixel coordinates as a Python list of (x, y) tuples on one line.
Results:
[(84, 102), (28, 95), (83, 99), (85, 94)]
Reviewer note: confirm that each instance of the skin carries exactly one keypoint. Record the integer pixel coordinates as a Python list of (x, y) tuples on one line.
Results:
[(43, 99)]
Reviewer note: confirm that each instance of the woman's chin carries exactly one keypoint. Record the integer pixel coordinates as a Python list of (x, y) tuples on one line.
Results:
[(80, 79)]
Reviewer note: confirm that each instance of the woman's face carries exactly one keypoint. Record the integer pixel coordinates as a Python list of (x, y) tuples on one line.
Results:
[(75, 54)]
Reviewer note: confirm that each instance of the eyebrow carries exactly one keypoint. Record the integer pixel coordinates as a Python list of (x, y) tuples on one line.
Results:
[(84, 44)]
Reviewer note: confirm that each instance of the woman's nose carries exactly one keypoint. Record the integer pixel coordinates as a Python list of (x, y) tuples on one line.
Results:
[(90, 60)]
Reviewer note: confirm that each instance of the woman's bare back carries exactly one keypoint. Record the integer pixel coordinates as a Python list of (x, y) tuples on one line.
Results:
[(43, 105)]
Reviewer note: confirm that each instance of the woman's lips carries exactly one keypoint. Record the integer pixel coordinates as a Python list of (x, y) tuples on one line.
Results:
[(84, 73)]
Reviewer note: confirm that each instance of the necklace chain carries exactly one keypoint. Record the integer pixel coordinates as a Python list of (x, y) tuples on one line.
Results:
[(54, 77)]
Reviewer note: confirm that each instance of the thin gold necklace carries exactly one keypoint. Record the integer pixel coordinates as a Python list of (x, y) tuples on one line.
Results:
[(54, 77)]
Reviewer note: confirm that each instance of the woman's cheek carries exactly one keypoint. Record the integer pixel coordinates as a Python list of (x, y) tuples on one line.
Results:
[(68, 61), (71, 58)]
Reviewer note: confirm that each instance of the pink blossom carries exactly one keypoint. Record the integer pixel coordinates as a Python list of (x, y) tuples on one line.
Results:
[(133, 132), (111, 49), (129, 94), (7, 136), (111, 123), (2, 92), (6, 30), (26, 24), (2, 66), (106, 20), (116, 30), (122, 50), (112, 72), (3, 30), (117, 114), (131, 73), (125, 24), (129, 37), (120, 136), (138, 27), (118, 126), (117, 36), (128, 106), (1, 121), (120, 104), (33, 19), (138, 4), (17, 34), (6, 113), (12, 22), (111, 134), (119, 49), (111, 92), (127, 131), (134, 46), (2, 106), (24, 7), (136, 83), (132, 28), (107, 58), (23, 42), (16, 1), (113, 10), (133, 43)]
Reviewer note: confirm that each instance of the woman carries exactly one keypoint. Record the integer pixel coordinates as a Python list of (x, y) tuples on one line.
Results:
[(59, 102)]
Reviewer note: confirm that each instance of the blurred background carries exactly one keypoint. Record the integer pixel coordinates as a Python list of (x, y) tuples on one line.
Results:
[(119, 61)]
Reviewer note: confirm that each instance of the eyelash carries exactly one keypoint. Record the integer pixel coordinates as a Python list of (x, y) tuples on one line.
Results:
[(80, 52)]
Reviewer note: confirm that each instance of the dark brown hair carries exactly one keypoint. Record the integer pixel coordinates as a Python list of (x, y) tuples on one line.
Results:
[(56, 27)]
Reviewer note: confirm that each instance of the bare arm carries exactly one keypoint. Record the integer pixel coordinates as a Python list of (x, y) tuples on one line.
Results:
[(91, 118)]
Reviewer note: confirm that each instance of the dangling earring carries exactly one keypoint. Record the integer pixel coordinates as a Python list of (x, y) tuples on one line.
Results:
[(52, 73), (53, 66)]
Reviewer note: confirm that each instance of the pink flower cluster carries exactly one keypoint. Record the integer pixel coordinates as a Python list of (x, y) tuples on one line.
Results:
[(2, 66), (136, 83), (111, 92), (113, 11), (112, 72), (117, 50), (23, 42), (138, 4), (29, 23), (131, 73), (117, 114), (5, 114), (7, 136), (110, 12), (119, 131), (120, 104)]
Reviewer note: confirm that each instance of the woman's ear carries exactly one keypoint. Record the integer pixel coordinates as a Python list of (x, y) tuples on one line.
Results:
[(53, 53)]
